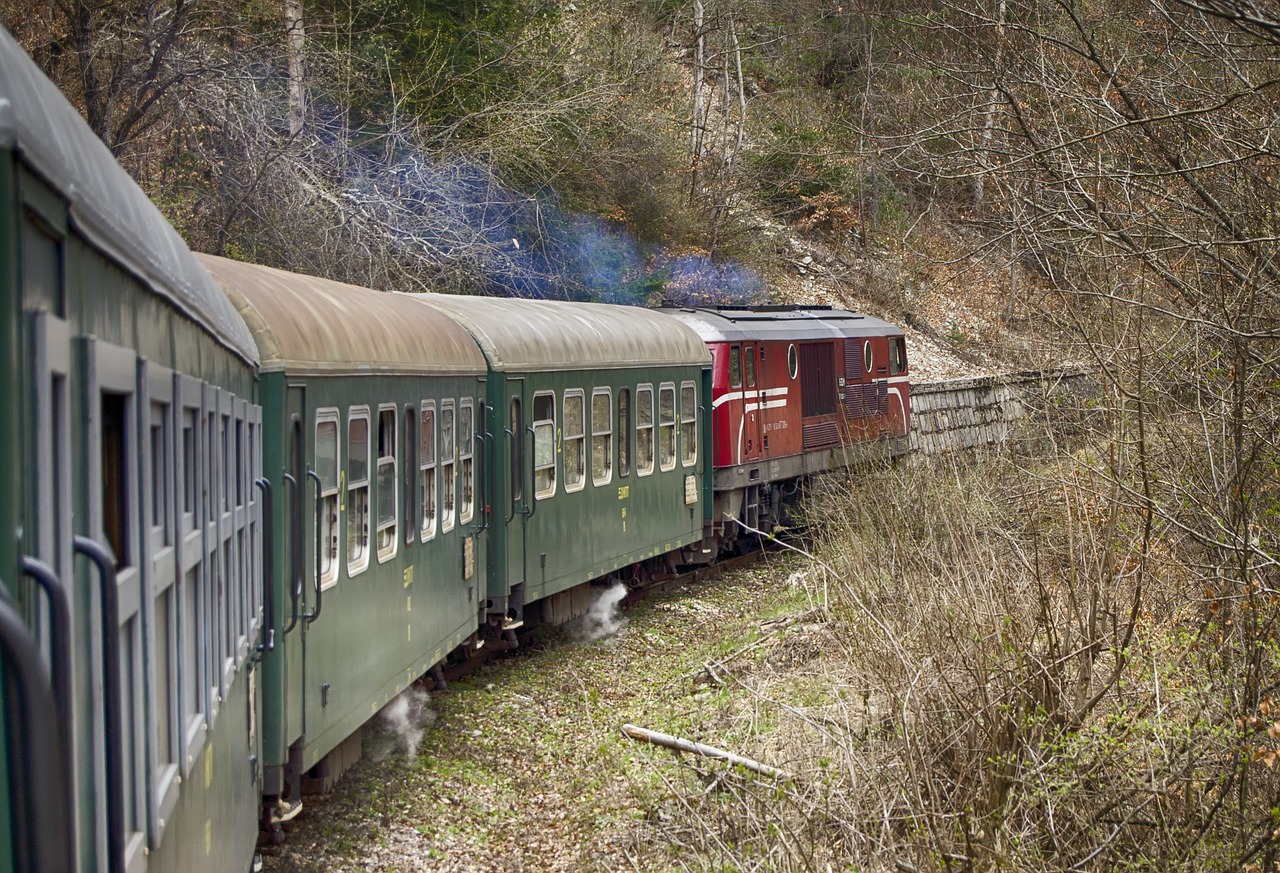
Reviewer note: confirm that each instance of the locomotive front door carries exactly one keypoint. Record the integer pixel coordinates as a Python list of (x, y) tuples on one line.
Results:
[(753, 405)]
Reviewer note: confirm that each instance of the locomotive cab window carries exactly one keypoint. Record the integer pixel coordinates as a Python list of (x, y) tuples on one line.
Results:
[(466, 459), (448, 456), (751, 368), (897, 355), (601, 436), (688, 424), (667, 427), (387, 482), (575, 446), (544, 445), (644, 430), (427, 470), (357, 490), (327, 470), (735, 367)]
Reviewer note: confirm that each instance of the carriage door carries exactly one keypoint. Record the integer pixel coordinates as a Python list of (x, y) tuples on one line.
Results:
[(519, 445), (299, 527), (753, 403)]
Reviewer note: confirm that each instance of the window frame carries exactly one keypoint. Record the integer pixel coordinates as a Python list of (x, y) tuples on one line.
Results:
[(574, 441), (645, 465), (688, 453), (669, 427), (447, 465), (330, 415), (550, 423), (428, 472), (392, 460), (466, 461), (607, 433)]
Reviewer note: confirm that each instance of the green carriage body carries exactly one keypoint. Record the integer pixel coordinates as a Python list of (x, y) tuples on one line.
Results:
[(574, 493), (130, 423), (397, 590)]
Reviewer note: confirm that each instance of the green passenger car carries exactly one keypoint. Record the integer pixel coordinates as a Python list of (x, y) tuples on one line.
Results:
[(373, 404), (595, 432), (127, 465)]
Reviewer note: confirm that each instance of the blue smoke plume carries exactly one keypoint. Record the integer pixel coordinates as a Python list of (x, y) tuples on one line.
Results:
[(528, 246)]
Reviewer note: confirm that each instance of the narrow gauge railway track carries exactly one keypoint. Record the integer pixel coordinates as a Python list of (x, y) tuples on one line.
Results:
[(636, 593)]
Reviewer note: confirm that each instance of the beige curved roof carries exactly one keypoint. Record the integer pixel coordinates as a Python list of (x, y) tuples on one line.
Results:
[(525, 335), (307, 325)]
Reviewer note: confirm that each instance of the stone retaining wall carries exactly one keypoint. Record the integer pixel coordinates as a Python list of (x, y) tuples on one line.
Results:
[(966, 413)]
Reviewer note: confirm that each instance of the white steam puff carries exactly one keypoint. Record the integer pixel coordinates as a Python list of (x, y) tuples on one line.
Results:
[(408, 717), (602, 619)]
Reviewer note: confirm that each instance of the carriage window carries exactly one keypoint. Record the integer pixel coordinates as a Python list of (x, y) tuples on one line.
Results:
[(386, 482), (897, 355), (427, 470), (735, 367), (624, 432), (667, 427), (327, 470), (357, 490), (448, 452), (644, 430), (575, 444), (601, 436), (410, 474), (688, 424), (544, 445), (751, 368), (466, 459)]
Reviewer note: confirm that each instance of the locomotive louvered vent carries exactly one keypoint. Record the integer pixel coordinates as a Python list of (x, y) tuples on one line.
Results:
[(852, 361), (818, 379), (862, 399), (820, 433)]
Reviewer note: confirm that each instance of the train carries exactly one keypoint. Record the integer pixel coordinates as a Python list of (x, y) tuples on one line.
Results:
[(245, 509)]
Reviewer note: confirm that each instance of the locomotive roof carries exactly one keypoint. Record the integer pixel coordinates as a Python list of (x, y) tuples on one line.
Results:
[(735, 323), (106, 206), (526, 335), (308, 325)]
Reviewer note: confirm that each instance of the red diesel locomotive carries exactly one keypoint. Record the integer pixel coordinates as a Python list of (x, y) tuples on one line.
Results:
[(795, 391)]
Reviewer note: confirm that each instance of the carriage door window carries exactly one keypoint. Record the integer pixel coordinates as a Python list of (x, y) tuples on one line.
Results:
[(427, 469), (575, 442), (410, 474), (624, 432), (357, 491), (689, 424), (466, 458), (448, 452), (735, 367), (387, 479), (516, 436), (544, 445), (667, 427), (327, 470), (644, 430), (601, 436)]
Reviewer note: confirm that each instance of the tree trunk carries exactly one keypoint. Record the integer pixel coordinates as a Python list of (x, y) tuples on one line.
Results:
[(296, 37)]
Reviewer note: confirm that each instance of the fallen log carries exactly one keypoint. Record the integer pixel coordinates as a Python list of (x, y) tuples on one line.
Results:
[(679, 744)]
